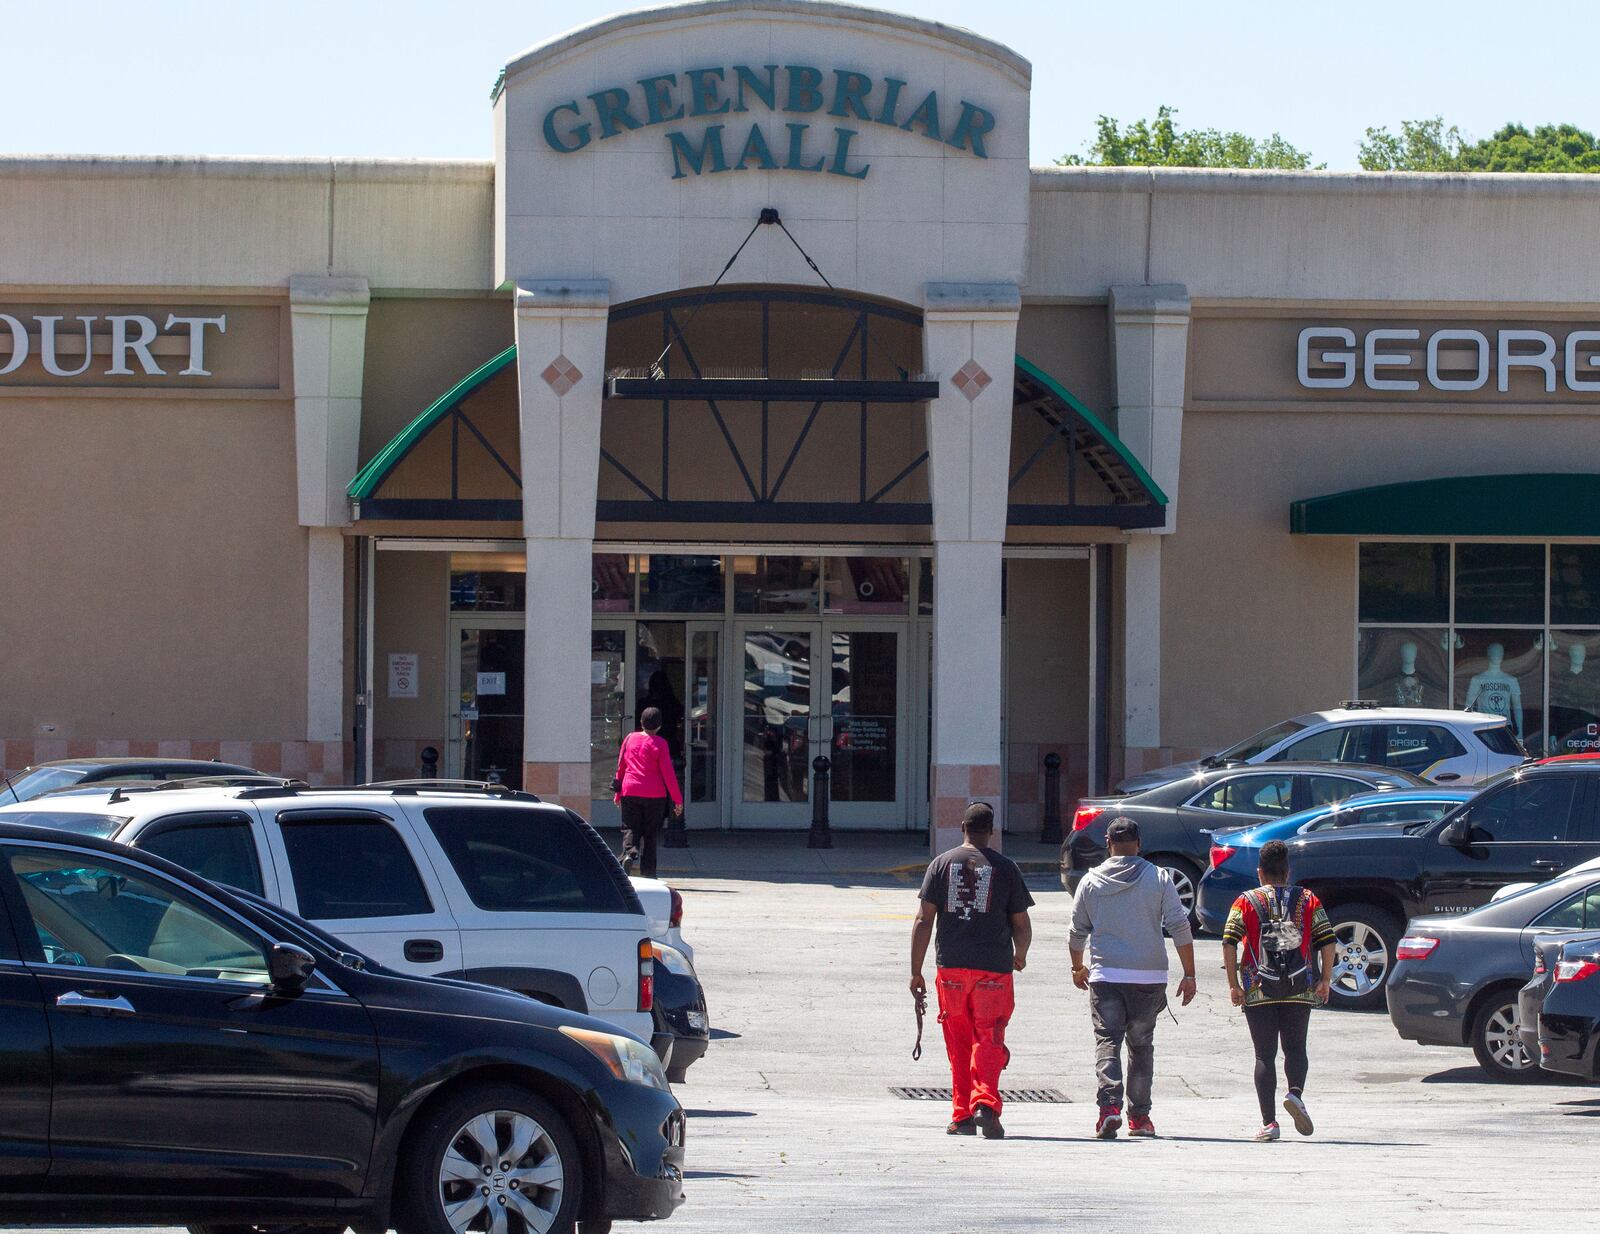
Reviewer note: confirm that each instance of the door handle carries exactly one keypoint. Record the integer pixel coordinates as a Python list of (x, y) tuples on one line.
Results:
[(1546, 863), (101, 1004), (1446, 777), (424, 950)]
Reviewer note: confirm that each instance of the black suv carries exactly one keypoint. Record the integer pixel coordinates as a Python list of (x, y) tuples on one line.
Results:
[(174, 1052), (1527, 825)]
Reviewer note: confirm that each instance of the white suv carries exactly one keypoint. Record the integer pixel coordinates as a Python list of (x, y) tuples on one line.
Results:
[(1447, 747), (495, 887)]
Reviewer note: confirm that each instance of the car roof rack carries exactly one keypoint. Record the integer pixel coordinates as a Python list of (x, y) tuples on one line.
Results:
[(227, 781), (394, 788), (1360, 704)]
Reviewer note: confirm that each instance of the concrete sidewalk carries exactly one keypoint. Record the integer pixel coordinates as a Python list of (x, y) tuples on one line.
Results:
[(783, 855)]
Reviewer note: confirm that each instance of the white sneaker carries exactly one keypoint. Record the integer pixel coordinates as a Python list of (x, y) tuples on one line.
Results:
[(1297, 1111), (1267, 1134)]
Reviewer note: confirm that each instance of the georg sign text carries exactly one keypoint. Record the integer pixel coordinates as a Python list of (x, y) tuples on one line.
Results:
[(1454, 359), (795, 89)]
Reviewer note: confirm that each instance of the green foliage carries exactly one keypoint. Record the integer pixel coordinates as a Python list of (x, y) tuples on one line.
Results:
[(1163, 144), (1427, 145)]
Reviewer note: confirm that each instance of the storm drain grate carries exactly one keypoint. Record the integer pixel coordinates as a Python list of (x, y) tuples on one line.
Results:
[(1012, 1096)]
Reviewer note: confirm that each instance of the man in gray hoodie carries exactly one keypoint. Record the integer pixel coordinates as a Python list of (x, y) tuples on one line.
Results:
[(1119, 912)]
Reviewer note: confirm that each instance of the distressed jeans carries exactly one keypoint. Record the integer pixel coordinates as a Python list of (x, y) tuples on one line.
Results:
[(1125, 1012)]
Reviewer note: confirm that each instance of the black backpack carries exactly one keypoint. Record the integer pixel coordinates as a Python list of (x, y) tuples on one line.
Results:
[(1282, 970)]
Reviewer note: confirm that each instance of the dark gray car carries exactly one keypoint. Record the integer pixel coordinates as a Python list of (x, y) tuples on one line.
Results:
[(1458, 978), (1176, 820)]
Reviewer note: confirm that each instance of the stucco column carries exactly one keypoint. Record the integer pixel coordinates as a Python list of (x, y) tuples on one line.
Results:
[(561, 346), (328, 330), (970, 342), (1149, 353)]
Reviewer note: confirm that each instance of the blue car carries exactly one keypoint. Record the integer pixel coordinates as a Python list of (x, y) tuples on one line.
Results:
[(1234, 853)]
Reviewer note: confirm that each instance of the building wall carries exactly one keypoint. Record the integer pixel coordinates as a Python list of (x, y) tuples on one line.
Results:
[(1047, 683)]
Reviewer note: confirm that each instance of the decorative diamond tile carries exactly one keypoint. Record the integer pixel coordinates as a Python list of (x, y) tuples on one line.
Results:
[(562, 374), (971, 380)]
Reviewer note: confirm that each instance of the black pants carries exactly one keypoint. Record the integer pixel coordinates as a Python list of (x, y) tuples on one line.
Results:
[(1270, 1024), (641, 821)]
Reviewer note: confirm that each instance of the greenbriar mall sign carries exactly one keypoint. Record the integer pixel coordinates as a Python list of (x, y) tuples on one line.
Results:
[(818, 145)]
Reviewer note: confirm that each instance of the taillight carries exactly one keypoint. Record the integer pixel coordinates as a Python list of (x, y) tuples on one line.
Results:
[(675, 919), (1576, 970), (1084, 815), (647, 974), (1416, 947), (1219, 854)]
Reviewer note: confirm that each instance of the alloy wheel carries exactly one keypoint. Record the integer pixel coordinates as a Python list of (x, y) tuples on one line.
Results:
[(1361, 959), (501, 1174), (1504, 1040)]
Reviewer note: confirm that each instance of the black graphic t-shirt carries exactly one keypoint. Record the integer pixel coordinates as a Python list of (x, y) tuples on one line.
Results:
[(975, 891)]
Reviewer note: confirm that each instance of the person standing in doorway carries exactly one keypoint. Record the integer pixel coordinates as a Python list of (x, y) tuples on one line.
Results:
[(975, 904), (1119, 912), (1282, 927), (645, 786)]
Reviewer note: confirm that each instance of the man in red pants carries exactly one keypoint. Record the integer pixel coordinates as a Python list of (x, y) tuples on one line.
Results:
[(978, 901)]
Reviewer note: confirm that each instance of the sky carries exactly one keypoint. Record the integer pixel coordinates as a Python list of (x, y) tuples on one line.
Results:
[(411, 78)]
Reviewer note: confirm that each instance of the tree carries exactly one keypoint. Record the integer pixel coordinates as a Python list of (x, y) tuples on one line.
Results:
[(1427, 145), (1162, 143)]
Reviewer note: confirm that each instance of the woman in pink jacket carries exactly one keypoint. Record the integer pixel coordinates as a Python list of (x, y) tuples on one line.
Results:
[(644, 784)]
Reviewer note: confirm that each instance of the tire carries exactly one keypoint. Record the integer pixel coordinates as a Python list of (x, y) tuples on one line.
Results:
[(1497, 1042), (1364, 955), (1186, 877), (443, 1162)]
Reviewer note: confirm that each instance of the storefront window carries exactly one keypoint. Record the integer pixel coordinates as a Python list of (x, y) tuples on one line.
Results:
[(1405, 582), (488, 582), (1518, 637), (866, 585), (924, 586), (1575, 584), (612, 585), (1405, 666), (775, 584), (1499, 584), (607, 699), (670, 583)]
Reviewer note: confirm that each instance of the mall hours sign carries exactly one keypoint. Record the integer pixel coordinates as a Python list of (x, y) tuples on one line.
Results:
[(836, 101)]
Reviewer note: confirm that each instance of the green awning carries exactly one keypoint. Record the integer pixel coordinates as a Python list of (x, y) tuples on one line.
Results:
[(1539, 505)]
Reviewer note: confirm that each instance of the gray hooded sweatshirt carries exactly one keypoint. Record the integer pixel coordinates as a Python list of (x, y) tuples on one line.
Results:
[(1119, 911)]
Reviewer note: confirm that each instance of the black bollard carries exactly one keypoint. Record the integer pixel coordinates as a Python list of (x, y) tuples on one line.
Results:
[(1050, 827), (821, 834), (430, 763)]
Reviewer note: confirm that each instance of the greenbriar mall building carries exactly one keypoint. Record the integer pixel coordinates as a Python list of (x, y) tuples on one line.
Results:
[(759, 378)]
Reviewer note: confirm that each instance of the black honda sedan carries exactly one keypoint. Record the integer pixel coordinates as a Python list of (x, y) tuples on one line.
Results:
[(173, 1052), (1176, 820), (1458, 976), (1569, 1024)]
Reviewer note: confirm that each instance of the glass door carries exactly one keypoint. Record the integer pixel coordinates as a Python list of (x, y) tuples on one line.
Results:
[(702, 789), (610, 715), (866, 725), (485, 741), (769, 777)]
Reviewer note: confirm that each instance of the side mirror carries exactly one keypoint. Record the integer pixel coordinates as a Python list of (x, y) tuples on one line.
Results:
[(290, 967), (1457, 834)]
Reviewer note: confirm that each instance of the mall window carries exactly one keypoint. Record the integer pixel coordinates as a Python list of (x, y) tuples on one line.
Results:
[(775, 584), (675, 583), (1511, 629), (488, 582), (866, 585)]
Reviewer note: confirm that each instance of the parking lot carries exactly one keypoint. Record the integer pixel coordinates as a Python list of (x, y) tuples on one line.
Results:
[(792, 1125)]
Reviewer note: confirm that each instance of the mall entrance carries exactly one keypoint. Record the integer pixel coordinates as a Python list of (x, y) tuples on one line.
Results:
[(757, 663)]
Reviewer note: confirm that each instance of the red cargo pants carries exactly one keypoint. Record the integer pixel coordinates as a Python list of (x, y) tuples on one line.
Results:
[(974, 1007)]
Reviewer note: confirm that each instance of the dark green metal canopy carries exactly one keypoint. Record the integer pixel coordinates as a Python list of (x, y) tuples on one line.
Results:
[(1539, 505)]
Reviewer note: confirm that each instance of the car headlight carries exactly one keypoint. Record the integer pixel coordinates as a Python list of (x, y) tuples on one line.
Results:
[(673, 960), (627, 1059)]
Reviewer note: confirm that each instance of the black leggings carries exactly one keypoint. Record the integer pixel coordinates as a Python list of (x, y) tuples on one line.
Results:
[(1269, 1024)]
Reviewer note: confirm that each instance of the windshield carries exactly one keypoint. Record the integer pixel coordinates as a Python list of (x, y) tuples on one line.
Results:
[(101, 826), (1383, 812), (1500, 740), (1259, 744), (41, 780)]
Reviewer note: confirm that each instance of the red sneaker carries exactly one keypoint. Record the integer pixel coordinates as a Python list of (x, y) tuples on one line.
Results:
[(1140, 1125), (1109, 1123)]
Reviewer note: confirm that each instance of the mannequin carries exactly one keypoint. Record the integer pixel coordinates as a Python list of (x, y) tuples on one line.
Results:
[(1408, 690), (1495, 691), (1574, 702)]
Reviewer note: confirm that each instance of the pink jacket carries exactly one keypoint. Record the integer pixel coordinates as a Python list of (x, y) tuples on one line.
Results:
[(644, 765)]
